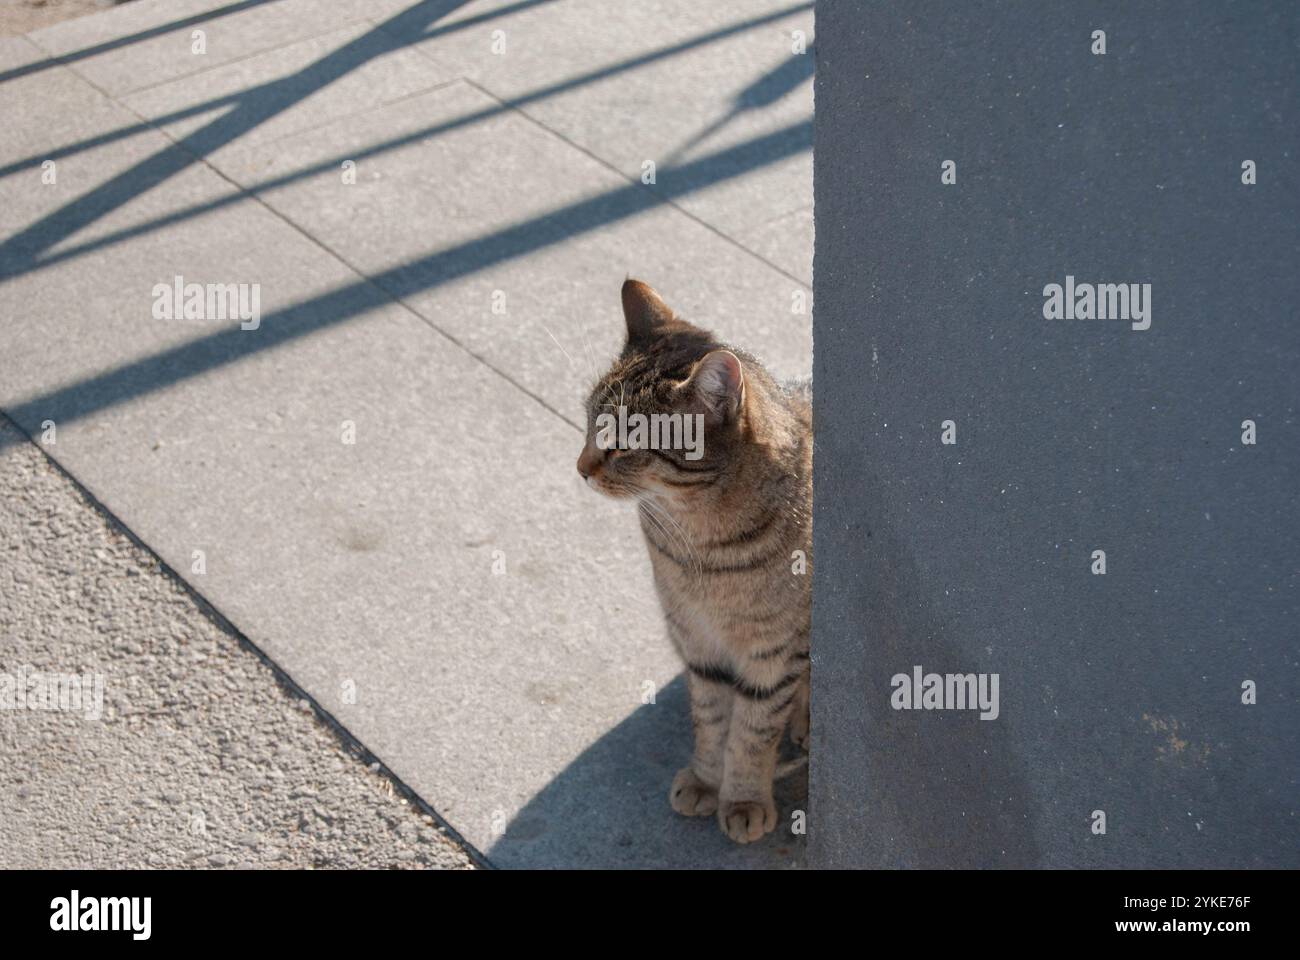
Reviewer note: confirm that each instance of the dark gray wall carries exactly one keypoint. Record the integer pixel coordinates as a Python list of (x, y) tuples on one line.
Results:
[(1119, 692)]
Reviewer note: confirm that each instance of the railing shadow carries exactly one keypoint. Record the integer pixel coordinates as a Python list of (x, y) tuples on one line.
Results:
[(215, 350), (119, 42), (763, 92), (20, 251), (19, 267)]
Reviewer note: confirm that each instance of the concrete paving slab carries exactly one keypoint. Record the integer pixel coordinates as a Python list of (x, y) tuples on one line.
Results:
[(100, 185), (786, 240), (666, 82), (296, 87), (42, 110), (532, 226), (510, 700), (17, 52), (148, 42), (479, 689)]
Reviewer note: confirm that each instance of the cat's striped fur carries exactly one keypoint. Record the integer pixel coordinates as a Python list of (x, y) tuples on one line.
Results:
[(730, 540)]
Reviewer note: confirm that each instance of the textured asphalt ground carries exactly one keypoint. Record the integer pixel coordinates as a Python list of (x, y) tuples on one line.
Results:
[(20, 16), (200, 757)]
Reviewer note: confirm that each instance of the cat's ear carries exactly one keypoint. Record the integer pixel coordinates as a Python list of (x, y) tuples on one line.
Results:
[(718, 381), (644, 310)]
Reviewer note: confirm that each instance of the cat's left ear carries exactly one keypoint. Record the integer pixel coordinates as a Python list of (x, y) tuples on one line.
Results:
[(644, 310), (719, 382)]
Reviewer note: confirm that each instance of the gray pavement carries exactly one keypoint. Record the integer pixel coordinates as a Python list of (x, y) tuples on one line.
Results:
[(443, 585)]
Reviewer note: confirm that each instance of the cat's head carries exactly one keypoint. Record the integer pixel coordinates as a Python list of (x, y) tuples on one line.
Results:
[(667, 416)]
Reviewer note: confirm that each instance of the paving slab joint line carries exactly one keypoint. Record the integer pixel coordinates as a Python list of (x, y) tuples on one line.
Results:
[(782, 215), (59, 58), (507, 104), (418, 48), (351, 114), (351, 744), (119, 97), (320, 244)]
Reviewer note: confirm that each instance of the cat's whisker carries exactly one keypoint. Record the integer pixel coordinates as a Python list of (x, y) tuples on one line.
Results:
[(591, 354), (676, 535), (557, 343), (658, 524), (686, 542)]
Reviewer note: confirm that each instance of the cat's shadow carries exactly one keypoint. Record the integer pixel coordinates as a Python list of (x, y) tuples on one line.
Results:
[(609, 807)]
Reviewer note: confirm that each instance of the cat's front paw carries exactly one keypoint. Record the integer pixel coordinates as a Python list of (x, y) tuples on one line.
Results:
[(747, 820), (691, 796)]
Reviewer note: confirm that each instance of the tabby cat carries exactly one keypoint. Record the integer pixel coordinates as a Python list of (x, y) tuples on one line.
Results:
[(729, 532)]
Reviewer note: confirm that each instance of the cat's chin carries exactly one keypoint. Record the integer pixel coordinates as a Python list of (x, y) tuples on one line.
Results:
[(612, 493)]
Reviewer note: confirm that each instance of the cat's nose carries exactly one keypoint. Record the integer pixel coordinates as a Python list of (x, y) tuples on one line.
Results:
[(589, 460)]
